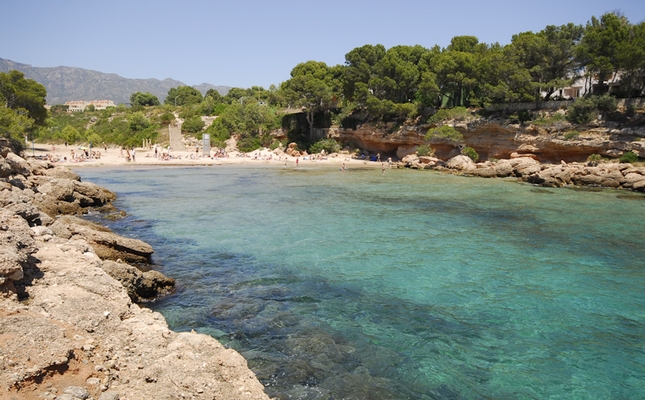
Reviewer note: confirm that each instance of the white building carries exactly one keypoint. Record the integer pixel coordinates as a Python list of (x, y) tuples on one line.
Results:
[(80, 105)]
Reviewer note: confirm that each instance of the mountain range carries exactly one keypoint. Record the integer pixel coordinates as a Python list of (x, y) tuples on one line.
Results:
[(69, 83)]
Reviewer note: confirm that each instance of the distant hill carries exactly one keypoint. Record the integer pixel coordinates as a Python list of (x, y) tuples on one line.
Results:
[(68, 83)]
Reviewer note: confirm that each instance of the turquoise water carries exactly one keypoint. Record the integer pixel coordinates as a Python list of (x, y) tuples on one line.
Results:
[(403, 285)]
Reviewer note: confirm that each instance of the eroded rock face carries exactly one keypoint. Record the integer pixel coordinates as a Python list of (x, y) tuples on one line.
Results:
[(16, 245), (140, 286), (497, 140), (106, 244)]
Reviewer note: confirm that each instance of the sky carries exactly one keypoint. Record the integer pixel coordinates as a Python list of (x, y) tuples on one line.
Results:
[(244, 43)]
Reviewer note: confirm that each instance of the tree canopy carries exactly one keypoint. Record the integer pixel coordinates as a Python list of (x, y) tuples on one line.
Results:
[(183, 95), (144, 99)]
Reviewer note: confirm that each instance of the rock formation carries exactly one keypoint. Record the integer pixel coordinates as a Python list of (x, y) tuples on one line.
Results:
[(69, 327), (609, 175), (496, 139)]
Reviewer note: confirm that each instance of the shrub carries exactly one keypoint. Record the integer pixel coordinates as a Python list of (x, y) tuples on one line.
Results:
[(629, 157), (605, 104), (192, 125), (329, 145), (550, 120), (444, 132), (470, 152), (248, 143), (582, 111), (524, 116), (275, 144), (444, 114), (571, 135), (425, 150), (594, 158)]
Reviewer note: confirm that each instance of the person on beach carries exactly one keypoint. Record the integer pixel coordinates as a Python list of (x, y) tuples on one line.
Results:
[(297, 160), (382, 168), (134, 153)]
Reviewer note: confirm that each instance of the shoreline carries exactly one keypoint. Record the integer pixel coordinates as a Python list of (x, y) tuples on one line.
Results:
[(146, 158), (524, 168)]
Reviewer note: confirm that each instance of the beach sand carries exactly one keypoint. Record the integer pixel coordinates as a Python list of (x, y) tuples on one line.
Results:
[(146, 157)]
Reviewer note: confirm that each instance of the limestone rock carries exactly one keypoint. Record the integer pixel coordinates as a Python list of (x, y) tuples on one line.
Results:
[(461, 163), (410, 159), (16, 245), (141, 286), (106, 244), (18, 164), (487, 172), (5, 168)]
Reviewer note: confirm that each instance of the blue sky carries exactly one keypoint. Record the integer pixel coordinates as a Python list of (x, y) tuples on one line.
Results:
[(242, 43)]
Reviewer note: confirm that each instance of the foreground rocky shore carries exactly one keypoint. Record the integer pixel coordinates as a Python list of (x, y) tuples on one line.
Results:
[(70, 327)]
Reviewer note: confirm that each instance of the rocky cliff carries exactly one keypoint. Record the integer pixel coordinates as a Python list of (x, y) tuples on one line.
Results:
[(496, 139), (69, 324)]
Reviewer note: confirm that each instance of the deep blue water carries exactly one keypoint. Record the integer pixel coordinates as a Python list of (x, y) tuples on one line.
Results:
[(403, 285)]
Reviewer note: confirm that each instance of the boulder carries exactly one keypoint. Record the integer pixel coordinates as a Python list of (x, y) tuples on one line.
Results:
[(631, 178), (552, 176), (461, 163), (16, 245), (525, 166), (487, 172), (62, 173), (98, 195), (639, 186), (5, 168), (18, 164), (503, 168), (140, 286), (58, 189), (410, 159)]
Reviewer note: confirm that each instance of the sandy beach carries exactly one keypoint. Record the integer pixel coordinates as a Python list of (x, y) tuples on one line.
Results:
[(114, 156)]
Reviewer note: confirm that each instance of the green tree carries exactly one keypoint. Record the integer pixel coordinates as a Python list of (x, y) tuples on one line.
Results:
[(137, 122), (599, 49), (397, 74), (631, 57), (14, 123), (143, 99), (360, 64), (214, 95), (70, 134), (312, 87), (549, 56), (16, 92), (503, 80), (183, 95), (456, 70), (192, 125), (234, 95)]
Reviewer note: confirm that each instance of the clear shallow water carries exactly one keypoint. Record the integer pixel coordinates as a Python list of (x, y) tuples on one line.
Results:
[(407, 285)]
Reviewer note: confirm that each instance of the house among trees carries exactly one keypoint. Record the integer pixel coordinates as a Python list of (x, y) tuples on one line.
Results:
[(81, 105)]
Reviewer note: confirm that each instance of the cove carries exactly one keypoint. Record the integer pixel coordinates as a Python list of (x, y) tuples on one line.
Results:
[(403, 285)]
